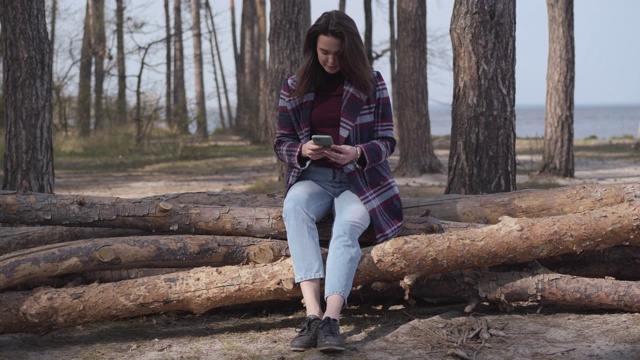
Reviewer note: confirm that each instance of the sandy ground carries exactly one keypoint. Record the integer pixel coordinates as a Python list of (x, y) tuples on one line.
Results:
[(373, 330)]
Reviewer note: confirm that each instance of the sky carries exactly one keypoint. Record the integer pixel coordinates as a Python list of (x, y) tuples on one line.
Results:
[(607, 51), (606, 46)]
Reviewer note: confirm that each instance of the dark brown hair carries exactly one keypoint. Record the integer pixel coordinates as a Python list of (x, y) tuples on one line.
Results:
[(353, 60)]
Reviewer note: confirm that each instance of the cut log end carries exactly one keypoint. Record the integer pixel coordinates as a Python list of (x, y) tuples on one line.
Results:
[(261, 254), (164, 207)]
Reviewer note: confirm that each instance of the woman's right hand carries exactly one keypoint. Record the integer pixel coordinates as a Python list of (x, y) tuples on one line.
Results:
[(312, 151)]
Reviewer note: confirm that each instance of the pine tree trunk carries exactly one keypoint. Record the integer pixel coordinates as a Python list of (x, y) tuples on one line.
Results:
[(482, 158), (28, 110), (180, 113), (83, 120), (99, 52), (557, 157), (417, 155), (121, 102), (368, 30), (213, 43), (289, 25), (201, 108)]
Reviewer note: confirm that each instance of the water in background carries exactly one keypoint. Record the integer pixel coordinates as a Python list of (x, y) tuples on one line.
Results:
[(603, 122)]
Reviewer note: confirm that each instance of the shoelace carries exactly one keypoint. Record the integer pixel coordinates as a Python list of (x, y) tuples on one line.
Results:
[(308, 325), (330, 327)]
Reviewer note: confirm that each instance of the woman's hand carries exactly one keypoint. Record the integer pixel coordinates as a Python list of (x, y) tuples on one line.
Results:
[(312, 151), (341, 154)]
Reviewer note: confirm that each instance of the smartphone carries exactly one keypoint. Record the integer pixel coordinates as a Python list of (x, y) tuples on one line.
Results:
[(324, 140)]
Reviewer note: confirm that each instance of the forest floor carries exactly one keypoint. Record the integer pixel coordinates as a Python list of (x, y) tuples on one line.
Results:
[(373, 328)]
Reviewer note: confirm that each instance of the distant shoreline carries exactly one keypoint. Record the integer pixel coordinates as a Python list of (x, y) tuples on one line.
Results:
[(599, 121)]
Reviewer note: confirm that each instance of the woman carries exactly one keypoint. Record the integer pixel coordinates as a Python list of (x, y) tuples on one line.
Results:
[(335, 93)]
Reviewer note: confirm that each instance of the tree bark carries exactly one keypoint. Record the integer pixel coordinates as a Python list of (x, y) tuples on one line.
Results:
[(225, 89), (121, 101), (239, 66), (27, 237), (445, 213), (164, 217), (417, 154), (557, 157), (392, 51), (482, 158), (247, 106), (134, 252), (201, 108), (487, 209), (99, 53), (168, 73), (368, 30), (403, 258), (545, 287), (288, 26), (180, 113), (213, 44), (86, 62), (28, 109), (620, 262), (262, 129)]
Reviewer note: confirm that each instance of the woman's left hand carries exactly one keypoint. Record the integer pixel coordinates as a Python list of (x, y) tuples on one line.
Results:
[(341, 154)]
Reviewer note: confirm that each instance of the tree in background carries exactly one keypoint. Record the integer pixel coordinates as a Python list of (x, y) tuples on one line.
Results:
[(289, 24), (28, 154), (83, 120), (201, 108), (417, 155), (482, 158), (248, 108), (368, 30), (213, 37), (261, 134), (180, 113), (2, 126), (236, 57), (392, 47), (557, 158), (121, 101), (100, 53)]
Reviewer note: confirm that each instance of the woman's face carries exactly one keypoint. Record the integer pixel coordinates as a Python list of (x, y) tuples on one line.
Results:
[(328, 50)]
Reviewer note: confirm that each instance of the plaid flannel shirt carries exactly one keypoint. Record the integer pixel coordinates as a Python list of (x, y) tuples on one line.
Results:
[(366, 121)]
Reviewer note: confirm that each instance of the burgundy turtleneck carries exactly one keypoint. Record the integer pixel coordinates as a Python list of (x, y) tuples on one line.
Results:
[(325, 113)]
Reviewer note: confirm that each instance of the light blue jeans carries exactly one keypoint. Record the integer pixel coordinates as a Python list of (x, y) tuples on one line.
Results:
[(318, 193)]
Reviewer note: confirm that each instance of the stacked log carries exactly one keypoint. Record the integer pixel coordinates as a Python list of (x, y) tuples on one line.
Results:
[(200, 251)]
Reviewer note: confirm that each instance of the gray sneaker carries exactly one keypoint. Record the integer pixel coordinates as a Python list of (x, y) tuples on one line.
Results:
[(307, 338), (329, 338)]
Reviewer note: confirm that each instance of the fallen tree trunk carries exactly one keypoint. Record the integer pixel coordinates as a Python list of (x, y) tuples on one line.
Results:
[(545, 287), (90, 277), (164, 217), (404, 258), (156, 214), (484, 209), (619, 262), (26, 237), (132, 252), (487, 209)]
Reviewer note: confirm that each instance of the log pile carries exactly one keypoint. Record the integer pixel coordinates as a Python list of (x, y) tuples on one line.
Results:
[(70, 260)]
